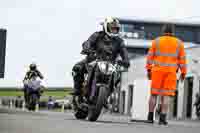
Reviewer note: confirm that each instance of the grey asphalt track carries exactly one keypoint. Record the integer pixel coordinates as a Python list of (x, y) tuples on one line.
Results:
[(16, 121)]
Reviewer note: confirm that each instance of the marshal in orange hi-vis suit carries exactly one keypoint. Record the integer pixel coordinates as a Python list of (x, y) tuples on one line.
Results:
[(164, 58)]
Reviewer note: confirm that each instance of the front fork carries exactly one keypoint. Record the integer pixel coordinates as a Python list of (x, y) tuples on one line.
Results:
[(95, 85)]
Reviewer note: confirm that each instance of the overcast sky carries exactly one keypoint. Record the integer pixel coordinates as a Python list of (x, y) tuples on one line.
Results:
[(50, 32)]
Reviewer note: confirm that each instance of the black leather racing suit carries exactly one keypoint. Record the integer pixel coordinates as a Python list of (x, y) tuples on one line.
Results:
[(98, 42)]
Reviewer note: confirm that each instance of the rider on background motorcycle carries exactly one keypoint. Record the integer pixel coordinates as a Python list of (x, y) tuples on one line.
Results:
[(32, 73), (106, 40)]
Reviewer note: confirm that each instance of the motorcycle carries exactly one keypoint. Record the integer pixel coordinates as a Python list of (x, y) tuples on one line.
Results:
[(34, 90), (100, 82)]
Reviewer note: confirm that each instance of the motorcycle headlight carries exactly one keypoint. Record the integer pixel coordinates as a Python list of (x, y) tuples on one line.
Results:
[(102, 66), (106, 68), (111, 69)]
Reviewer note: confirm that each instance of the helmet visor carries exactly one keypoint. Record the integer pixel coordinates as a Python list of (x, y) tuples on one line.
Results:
[(115, 30), (113, 27)]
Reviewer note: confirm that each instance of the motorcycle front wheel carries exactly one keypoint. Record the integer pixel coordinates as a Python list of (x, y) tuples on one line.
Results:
[(95, 110)]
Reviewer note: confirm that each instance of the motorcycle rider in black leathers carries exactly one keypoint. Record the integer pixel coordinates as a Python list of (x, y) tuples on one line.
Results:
[(106, 40), (33, 72)]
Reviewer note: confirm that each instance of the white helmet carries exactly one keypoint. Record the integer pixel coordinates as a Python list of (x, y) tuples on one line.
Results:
[(111, 26)]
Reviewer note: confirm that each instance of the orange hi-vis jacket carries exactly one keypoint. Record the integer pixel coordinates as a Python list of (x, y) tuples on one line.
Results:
[(167, 54), (164, 58)]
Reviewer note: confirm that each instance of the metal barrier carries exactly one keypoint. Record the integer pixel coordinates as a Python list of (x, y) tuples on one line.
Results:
[(20, 104), (130, 99), (122, 102)]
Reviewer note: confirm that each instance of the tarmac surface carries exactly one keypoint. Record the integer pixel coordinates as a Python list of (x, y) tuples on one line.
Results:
[(18, 121)]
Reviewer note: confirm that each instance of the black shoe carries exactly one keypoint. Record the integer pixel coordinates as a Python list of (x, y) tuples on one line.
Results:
[(162, 120), (163, 123), (150, 121), (150, 117)]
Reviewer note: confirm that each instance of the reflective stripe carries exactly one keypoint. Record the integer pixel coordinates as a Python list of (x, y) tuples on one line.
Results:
[(179, 46), (183, 65), (163, 91), (164, 64), (150, 61), (157, 53), (182, 58), (161, 64), (166, 54), (150, 54)]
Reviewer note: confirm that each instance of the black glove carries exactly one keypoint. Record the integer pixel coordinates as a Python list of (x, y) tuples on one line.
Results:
[(126, 64)]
